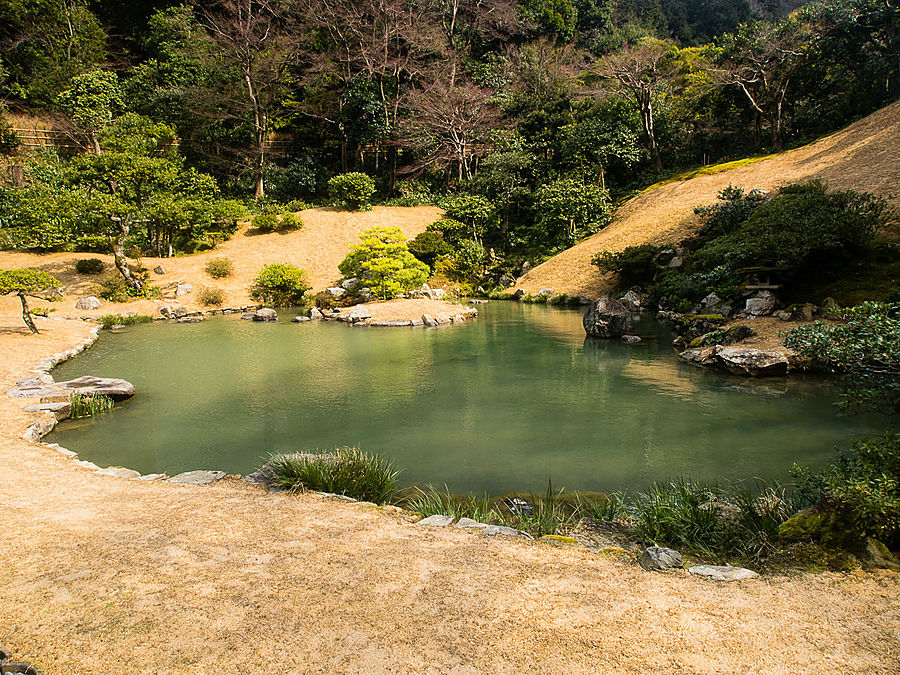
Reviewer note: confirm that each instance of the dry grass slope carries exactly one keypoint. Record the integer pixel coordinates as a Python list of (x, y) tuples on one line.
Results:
[(864, 156)]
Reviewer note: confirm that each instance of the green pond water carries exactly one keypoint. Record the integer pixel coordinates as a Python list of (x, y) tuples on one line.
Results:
[(498, 404)]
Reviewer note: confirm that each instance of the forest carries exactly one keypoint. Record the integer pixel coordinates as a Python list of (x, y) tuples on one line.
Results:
[(528, 121)]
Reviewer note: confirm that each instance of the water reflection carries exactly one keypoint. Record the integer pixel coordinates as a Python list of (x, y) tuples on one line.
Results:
[(503, 403)]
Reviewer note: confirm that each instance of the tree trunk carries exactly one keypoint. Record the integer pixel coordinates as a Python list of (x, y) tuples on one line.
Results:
[(95, 143), (649, 131), (119, 256), (26, 315)]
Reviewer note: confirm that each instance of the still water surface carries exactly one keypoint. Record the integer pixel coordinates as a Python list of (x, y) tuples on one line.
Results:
[(498, 404)]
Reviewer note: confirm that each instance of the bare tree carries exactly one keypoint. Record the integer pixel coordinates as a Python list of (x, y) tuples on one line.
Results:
[(760, 59), (258, 41), (639, 73), (450, 119)]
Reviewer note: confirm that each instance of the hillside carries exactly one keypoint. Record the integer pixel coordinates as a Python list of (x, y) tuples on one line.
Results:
[(864, 156), (326, 237)]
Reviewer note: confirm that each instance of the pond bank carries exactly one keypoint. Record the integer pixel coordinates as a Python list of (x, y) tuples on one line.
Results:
[(109, 576)]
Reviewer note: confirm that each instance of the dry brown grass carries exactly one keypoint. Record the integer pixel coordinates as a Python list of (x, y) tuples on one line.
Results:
[(326, 238), (865, 156)]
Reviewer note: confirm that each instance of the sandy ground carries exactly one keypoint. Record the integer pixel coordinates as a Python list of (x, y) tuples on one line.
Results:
[(865, 156), (106, 575), (327, 236)]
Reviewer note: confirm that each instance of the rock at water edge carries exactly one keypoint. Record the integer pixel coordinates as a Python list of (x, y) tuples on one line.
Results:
[(437, 521), (606, 317), (88, 302)]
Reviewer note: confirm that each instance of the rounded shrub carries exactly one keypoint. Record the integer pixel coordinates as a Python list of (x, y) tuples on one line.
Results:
[(289, 222), (353, 189), (265, 222), (280, 284), (89, 266), (219, 268), (211, 297)]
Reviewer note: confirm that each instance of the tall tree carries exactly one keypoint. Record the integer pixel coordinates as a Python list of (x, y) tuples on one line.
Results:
[(640, 73), (256, 43), (760, 59)]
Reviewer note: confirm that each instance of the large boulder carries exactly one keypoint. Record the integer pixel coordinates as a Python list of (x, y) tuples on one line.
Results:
[(761, 304), (87, 385), (315, 313), (632, 301), (607, 318), (358, 314), (89, 302), (336, 292), (265, 314), (749, 361)]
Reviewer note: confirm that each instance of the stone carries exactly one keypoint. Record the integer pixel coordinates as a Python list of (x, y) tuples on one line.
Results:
[(42, 426), (468, 523), (60, 408), (336, 292), (436, 521), (426, 291), (828, 305), (265, 314), (429, 320), (606, 317), (519, 294), (152, 476), (120, 472), (477, 301), (506, 281), (315, 313), (545, 293), (761, 304), (300, 319), (166, 311), (350, 284), (783, 315), (179, 311), (713, 304), (88, 302), (358, 314), (676, 261), (390, 324), (876, 554), (183, 289), (503, 531), (198, 477), (632, 301), (803, 312), (754, 362), (87, 384), (159, 269), (722, 572), (656, 558), (439, 293), (584, 300), (630, 339), (366, 295), (247, 316), (525, 267), (192, 318)]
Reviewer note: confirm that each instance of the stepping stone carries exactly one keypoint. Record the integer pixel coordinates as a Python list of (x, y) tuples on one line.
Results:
[(503, 531), (722, 572), (197, 477), (437, 521), (120, 472), (87, 384)]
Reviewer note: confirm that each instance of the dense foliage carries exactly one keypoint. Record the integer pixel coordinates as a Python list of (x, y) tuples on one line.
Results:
[(803, 233), (383, 262), (864, 346), (280, 284), (860, 492), (526, 119)]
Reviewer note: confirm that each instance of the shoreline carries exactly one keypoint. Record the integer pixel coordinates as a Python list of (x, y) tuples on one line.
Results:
[(100, 564)]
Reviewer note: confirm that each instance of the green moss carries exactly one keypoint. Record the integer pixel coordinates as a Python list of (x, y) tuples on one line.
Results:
[(707, 171), (559, 539), (806, 525)]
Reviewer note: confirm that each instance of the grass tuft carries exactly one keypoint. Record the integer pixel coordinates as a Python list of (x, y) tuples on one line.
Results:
[(110, 320), (89, 405), (344, 471)]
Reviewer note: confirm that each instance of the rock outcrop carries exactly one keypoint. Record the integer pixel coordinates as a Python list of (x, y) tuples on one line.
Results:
[(607, 318)]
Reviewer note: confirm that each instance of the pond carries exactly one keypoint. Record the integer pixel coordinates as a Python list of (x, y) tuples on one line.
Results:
[(499, 404)]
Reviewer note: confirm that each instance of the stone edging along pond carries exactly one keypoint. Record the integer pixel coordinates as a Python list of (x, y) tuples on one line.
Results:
[(47, 421)]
